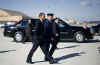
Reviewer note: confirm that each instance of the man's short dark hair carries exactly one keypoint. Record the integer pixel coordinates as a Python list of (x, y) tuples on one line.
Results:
[(56, 18), (50, 14), (41, 14)]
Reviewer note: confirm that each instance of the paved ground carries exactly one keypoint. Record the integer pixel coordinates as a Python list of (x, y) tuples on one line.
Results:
[(69, 53)]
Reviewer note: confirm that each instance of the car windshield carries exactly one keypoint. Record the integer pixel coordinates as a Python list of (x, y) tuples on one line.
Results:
[(22, 22), (63, 22)]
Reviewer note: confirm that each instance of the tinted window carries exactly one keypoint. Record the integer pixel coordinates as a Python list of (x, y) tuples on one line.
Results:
[(33, 21), (62, 24)]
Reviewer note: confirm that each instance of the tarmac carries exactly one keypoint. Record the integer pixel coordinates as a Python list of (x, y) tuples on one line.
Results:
[(68, 52)]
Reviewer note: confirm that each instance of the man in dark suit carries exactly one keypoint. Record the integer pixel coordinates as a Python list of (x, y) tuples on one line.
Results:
[(48, 34), (56, 37), (40, 40)]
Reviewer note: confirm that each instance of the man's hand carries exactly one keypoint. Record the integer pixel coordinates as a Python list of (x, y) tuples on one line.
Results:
[(57, 34), (52, 38)]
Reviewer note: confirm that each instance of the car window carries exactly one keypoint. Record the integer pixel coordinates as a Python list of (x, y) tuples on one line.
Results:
[(19, 23), (33, 22), (61, 24)]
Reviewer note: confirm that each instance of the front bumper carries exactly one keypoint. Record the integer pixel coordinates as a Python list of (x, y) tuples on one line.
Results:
[(8, 33)]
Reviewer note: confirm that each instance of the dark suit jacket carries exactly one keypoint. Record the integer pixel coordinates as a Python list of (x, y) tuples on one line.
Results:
[(38, 34), (48, 33), (56, 30)]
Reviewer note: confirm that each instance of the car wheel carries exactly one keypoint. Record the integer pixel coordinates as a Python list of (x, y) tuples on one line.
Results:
[(79, 37), (18, 37)]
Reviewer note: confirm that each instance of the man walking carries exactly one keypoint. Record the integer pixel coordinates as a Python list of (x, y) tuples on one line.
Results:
[(49, 34), (40, 40), (56, 33)]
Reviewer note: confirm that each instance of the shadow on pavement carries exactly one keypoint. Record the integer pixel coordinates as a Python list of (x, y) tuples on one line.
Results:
[(6, 51), (93, 41), (44, 61), (67, 40), (88, 41), (69, 56), (69, 47)]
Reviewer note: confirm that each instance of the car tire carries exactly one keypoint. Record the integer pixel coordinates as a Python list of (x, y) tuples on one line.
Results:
[(79, 37), (19, 37)]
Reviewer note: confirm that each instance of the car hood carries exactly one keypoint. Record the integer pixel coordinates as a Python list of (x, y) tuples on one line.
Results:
[(77, 27)]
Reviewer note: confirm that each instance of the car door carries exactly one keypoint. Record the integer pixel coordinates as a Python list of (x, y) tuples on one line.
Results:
[(22, 25), (65, 30)]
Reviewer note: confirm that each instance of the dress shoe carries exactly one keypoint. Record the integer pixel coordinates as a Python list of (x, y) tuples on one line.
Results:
[(46, 59), (52, 61), (30, 62)]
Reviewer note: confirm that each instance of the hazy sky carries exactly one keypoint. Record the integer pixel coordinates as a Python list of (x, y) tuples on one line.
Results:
[(78, 9)]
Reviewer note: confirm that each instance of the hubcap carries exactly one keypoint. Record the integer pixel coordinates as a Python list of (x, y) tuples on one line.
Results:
[(18, 37), (79, 37)]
